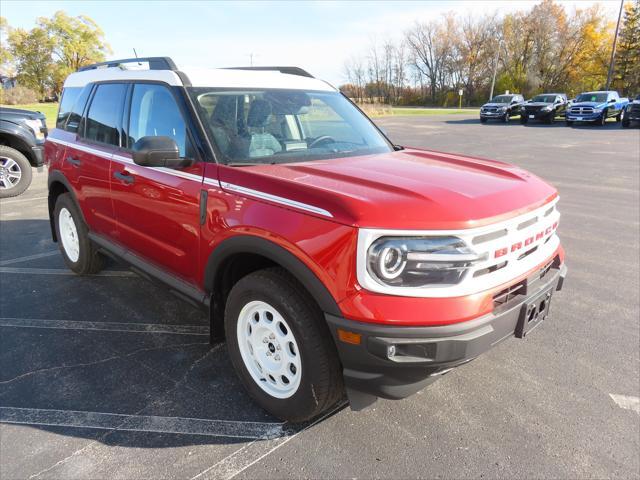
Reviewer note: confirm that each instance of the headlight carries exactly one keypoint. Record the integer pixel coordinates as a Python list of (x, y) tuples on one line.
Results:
[(419, 261), (597, 110), (548, 108), (503, 109), (36, 126)]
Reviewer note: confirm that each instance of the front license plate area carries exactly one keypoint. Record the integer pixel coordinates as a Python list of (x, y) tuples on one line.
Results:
[(533, 313), (579, 118), (532, 116)]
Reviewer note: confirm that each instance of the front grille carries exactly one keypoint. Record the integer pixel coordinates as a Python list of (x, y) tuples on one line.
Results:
[(581, 110), (533, 109)]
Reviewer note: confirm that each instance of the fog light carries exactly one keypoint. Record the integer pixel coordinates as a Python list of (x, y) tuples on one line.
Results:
[(391, 351)]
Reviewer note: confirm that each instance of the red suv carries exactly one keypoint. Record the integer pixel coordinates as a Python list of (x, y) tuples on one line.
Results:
[(329, 258)]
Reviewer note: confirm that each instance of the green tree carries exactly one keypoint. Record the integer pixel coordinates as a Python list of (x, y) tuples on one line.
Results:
[(5, 53), (627, 66), (32, 51), (77, 41)]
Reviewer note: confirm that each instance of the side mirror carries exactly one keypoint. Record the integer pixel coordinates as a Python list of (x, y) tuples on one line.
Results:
[(613, 100), (156, 152)]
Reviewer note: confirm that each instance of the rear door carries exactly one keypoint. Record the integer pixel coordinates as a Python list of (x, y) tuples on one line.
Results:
[(158, 209), (88, 158)]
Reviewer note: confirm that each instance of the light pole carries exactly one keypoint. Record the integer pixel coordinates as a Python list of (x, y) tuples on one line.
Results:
[(613, 50), (495, 68)]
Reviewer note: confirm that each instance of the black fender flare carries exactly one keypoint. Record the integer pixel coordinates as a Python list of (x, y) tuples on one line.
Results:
[(21, 137), (257, 245), (57, 176)]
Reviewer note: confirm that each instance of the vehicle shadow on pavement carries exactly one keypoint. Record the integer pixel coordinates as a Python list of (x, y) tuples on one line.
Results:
[(112, 357)]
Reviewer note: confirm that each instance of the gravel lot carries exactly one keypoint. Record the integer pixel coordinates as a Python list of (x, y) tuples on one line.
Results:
[(109, 376)]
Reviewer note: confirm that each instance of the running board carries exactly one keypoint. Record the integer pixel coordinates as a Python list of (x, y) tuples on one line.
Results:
[(178, 287)]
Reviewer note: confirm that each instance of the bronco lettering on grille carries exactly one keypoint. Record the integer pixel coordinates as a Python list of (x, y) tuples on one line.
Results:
[(526, 242)]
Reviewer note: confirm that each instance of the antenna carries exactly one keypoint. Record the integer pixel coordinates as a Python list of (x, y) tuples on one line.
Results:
[(251, 57), (135, 54)]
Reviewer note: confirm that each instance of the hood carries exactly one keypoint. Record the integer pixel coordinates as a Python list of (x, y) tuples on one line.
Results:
[(19, 113), (538, 104), (495, 105), (408, 189), (589, 104)]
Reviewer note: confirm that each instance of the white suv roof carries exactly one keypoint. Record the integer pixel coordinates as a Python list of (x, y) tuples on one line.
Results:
[(290, 78)]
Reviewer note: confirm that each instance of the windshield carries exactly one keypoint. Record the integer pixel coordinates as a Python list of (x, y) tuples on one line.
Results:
[(282, 126), (592, 97), (501, 99), (544, 98)]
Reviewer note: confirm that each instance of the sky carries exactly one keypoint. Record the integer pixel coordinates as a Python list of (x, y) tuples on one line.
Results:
[(318, 36)]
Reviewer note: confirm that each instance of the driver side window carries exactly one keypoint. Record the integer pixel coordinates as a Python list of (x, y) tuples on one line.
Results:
[(154, 112)]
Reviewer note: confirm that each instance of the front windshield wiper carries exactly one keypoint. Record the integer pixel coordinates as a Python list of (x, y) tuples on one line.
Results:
[(249, 164)]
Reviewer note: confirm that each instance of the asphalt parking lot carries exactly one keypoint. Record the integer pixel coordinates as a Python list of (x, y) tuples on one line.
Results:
[(109, 376)]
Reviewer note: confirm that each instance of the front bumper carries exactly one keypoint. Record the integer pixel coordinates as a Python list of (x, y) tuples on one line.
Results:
[(37, 157), (539, 114), (395, 362)]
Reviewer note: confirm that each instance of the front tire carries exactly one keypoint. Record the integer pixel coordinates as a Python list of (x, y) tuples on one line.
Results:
[(569, 123), (78, 251), (483, 120), (603, 119), (620, 116), (280, 346), (523, 119), (505, 118), (15, 172)]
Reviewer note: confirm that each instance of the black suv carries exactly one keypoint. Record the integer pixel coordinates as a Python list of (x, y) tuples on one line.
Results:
[(22, 135), (502, 107), (545, 107)]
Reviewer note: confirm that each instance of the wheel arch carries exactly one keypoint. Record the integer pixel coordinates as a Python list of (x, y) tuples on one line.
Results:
[(58, 185), (248, 253), (15, 136)]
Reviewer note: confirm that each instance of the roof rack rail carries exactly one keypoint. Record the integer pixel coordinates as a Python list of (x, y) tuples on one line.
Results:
[(288, 70), (155, 63)]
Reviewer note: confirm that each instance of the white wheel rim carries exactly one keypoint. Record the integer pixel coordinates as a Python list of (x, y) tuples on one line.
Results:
[(10, 173), (269, 350), (69, 235)]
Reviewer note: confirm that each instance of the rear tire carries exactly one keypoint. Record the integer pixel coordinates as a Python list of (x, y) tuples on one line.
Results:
[(15, 172), (280, 346), (79, 252)]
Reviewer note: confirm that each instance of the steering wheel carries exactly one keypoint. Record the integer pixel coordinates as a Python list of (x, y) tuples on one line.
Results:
[(322, 139)]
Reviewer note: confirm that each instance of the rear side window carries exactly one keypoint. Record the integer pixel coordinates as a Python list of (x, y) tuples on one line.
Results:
[(102, 124), (75, 115), (69, 97), (154, 113)]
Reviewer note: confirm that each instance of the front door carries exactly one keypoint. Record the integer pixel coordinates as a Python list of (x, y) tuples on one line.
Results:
[(158, 209)]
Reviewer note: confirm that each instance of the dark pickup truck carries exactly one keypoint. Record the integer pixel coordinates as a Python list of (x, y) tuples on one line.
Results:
[(596, 107), (502, 107), (22, 135), (544, 107), (632, 113)]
